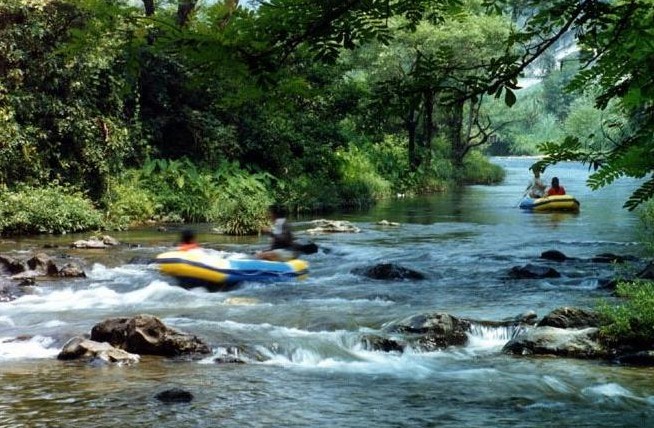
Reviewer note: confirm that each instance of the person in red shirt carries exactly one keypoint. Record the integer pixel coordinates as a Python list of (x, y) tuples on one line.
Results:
[(188, 241), (555, 188)]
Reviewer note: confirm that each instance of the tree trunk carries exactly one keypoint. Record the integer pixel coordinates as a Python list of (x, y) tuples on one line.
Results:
[(428, 126), (411, 126), (149, 7), (455, 125), (184, 10)]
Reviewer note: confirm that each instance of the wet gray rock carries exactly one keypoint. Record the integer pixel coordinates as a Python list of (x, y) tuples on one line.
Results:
[(573, 343), (429, 332), (146, 334), (11, 266), (372, 342), (570, 318), (43, 264), (71, 270), (82, 348), (332, 226), (388, 271)]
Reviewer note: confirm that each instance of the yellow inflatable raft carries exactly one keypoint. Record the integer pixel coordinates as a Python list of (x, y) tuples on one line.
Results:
[(206, 268)]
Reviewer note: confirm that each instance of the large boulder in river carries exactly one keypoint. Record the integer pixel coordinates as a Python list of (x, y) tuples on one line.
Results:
[(574, 343), (570, 318), (430, 332), (81, 348), (146, 334), (530, 271), (388, 271)]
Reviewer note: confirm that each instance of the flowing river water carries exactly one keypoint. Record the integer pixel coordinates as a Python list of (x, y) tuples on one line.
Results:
[(316, 372)]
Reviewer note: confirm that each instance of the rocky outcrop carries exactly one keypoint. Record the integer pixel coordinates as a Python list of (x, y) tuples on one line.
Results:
[(39, 265), (388, 271), (146, 334), (11, 266), (95, 242), (81, 348), (576, 343), (570, 318), (332, 226), (429, 332)]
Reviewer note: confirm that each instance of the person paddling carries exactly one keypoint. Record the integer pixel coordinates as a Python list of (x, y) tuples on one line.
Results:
[(282, 245), (536, 187)]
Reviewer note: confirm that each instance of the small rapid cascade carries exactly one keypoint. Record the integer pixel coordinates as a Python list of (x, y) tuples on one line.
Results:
[(491, 338)]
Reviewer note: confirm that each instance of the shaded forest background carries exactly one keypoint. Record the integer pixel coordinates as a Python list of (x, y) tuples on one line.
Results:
[(120, 112)]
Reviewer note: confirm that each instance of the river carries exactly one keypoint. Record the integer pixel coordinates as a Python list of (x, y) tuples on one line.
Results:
[(316, 372)]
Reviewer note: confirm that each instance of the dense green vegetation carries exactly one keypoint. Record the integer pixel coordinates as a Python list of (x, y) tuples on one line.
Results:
[(630, 323), (192, 111)]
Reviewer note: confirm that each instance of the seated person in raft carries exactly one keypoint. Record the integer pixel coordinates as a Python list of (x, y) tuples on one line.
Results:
[(281, 248), (188, 241), (555, 189), (536, 188)]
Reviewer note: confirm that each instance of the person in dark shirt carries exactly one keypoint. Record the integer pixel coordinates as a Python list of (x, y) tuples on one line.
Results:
[(282, 244)]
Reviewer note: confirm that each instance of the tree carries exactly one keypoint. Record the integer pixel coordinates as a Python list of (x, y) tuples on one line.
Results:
[(618, 58)]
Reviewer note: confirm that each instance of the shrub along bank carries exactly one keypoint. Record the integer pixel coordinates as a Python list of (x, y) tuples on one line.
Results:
[(234, 198)]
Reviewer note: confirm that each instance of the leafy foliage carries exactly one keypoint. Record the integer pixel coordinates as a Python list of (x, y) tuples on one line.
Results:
[(54, 209), (631, 322)]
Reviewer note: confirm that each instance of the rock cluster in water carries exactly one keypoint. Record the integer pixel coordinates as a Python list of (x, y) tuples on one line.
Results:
[(122, 340)]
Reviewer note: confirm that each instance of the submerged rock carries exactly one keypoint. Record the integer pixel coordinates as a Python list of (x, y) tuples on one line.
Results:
[(305, 246), (174, 395), (554, 255), (530, 271), (613, 258), (388, 271), (146, 334)]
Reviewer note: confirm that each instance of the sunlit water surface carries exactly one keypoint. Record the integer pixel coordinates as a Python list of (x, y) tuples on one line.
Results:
[(316, 372)]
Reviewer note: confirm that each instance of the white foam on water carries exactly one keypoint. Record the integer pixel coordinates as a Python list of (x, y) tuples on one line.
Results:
[(7, 321), (608, 391), (67, 299), (488, 339), (122, 274), (556, 385), (12, 348)]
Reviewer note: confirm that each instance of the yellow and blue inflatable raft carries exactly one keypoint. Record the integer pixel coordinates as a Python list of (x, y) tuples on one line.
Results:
[(206, 268), (555, 203)]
